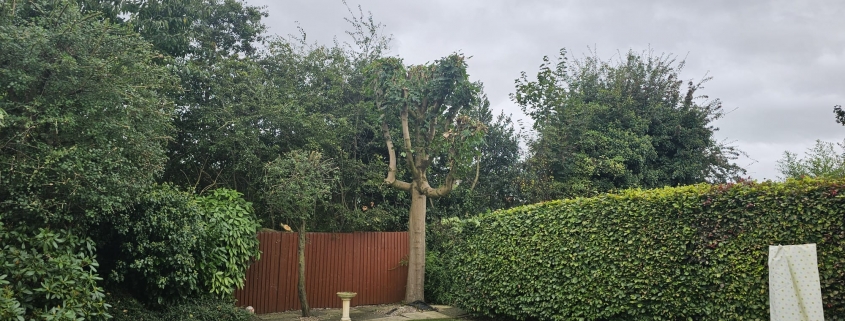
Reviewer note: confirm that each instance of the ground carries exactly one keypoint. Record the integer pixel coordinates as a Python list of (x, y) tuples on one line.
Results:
[(386, 312)]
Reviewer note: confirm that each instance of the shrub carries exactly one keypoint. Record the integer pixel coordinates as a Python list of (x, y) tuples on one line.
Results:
[(48, 275), (173, 245), (204, 308), (696, 252), (229, 241), (152, 245)]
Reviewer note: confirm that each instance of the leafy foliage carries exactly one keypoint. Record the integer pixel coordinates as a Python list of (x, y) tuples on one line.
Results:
[(152, 245), (696, 252), (198, 29), (821, 160), (296, 183), (490, 183), (173, 245), (48, 275), (229, 241), (203, 308), (604, 126), (88, 114)]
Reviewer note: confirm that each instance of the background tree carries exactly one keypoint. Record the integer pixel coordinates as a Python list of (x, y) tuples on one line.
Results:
[(88, 115), (609, 125), (295, 185), (429, 104), (824, 159), (840, 114), (240, 113), (197, 30), (498, 160)]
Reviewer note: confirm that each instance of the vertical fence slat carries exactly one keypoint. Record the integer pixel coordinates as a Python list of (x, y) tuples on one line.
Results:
[(293, 272), (348, 266)]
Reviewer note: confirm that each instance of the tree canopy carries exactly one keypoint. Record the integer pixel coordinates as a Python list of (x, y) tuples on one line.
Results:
[(89, 114), (823, 160), (606, 125)]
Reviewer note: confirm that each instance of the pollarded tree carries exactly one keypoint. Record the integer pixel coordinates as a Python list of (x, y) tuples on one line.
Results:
[(427, 104)]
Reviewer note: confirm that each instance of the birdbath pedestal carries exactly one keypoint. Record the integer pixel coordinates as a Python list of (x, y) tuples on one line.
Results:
[(346, 296)]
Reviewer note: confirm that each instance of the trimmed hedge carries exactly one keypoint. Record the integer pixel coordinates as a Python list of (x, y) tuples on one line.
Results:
[(688, 253)]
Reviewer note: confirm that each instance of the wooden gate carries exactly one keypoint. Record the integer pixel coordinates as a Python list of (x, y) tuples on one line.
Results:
[(373, 264)]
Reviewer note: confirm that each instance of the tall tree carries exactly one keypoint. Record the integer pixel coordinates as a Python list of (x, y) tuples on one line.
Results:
[(428, 104), (295, 185), (619, 124), (821, 160), (88, 114)]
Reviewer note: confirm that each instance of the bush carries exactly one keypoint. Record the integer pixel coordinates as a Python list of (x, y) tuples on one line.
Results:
[(48, 275), (206, 308), (152, 245), (173, 245), (696, 252), (229, 241)]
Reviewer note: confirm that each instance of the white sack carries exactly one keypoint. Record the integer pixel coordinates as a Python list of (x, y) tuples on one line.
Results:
[(794, 290)]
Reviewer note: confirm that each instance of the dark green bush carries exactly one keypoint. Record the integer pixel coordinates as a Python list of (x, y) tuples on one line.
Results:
[(173, 245), (126, 308), (696, 252), (152, 245), (205, 309), (48, 275)]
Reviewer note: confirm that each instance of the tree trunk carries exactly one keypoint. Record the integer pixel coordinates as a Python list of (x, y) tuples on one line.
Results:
[(416, 257), (303, 299)]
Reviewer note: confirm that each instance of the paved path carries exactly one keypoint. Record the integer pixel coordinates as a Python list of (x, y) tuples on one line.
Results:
[(368, 313)]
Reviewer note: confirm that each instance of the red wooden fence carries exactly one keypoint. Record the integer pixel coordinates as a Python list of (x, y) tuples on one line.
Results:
[(370, 264)]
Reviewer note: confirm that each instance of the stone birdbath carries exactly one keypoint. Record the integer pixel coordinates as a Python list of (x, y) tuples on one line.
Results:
[(346, 296)]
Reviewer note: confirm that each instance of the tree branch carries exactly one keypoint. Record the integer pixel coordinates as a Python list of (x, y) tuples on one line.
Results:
[(477, 170), (431, 128), (406, 135), (391, 169), (444, 189)]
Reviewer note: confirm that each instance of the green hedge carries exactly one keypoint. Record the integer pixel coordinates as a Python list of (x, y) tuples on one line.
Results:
[(688, 253)]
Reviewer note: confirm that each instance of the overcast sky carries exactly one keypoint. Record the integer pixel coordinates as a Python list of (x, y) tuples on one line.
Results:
[(778, 65)]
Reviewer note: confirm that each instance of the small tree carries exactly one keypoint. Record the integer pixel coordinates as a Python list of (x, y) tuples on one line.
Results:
[(295, 185), (429, 103)]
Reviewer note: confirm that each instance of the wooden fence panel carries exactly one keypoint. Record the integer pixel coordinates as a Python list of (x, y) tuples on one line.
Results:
[(373, 264)]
